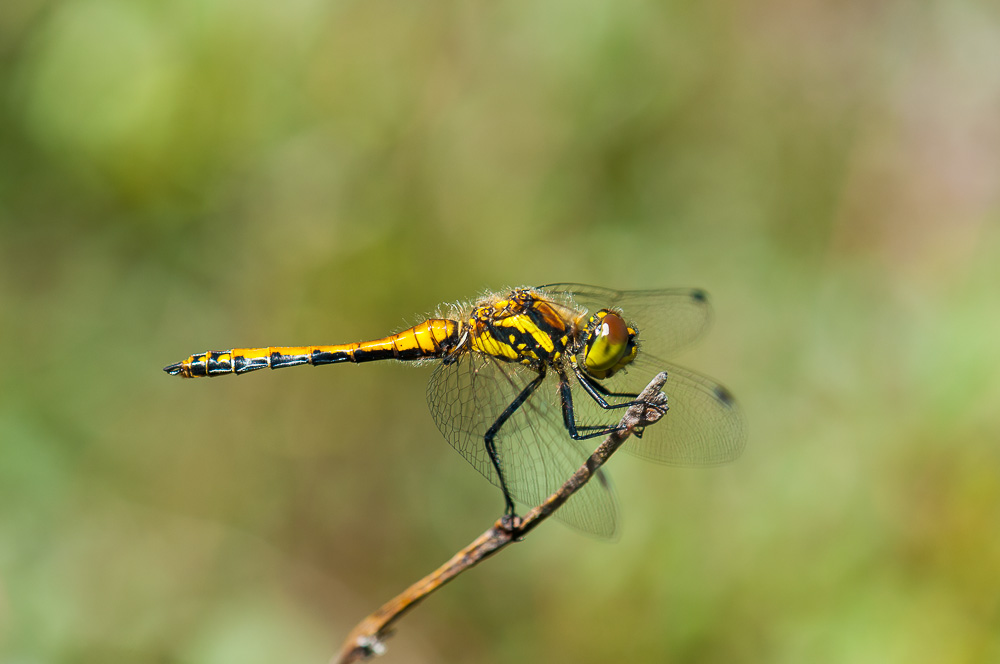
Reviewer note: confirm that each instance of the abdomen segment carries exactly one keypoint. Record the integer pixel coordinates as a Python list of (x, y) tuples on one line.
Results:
[(432, 338)]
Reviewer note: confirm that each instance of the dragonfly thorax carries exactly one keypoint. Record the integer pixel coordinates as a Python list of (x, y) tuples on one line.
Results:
[(523, 327)]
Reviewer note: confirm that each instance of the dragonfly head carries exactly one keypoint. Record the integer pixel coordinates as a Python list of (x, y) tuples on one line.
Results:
[(610, 344)]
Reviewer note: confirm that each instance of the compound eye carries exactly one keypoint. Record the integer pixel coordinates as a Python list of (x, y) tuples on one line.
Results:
[(607, 344)]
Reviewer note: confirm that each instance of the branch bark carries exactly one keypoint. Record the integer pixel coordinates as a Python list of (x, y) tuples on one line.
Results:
[(367, 639)]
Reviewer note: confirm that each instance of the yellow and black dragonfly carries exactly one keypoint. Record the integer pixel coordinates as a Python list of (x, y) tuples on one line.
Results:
[(524, 376)]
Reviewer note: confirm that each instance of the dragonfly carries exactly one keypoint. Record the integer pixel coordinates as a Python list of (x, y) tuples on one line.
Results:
[(525, 376)]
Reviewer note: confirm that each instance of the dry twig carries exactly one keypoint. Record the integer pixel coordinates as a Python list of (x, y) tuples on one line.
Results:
[(367, 638)]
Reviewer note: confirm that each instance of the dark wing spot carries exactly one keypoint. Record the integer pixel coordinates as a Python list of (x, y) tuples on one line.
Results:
[(699, 295), (725, 396)]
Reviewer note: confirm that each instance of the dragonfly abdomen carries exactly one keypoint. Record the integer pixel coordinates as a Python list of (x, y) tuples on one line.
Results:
[(431, 339)]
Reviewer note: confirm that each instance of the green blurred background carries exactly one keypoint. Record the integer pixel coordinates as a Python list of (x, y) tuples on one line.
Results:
[(179, 176)]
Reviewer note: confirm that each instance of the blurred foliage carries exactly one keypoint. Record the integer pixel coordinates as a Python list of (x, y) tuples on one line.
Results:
[(176, 176)]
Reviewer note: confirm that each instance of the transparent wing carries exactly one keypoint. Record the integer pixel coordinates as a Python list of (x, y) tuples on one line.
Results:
[(703, 426), (668, 320), (536, 453)]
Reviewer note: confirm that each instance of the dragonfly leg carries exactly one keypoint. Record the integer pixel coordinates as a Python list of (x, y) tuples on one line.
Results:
[(491, 433), (578, 432), (598, 393)]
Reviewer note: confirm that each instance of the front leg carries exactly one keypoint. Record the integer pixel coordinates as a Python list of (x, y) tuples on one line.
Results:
[(576, 432), (598, 393)]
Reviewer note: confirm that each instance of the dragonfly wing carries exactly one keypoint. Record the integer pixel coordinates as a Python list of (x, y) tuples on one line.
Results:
[(536, 452), (703, 426), (668, 320)]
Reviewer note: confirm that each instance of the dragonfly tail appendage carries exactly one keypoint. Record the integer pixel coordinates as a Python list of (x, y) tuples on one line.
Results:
[(433, 338)]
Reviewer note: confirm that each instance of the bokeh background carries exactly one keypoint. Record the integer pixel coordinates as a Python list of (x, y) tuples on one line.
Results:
[(180, 176)]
